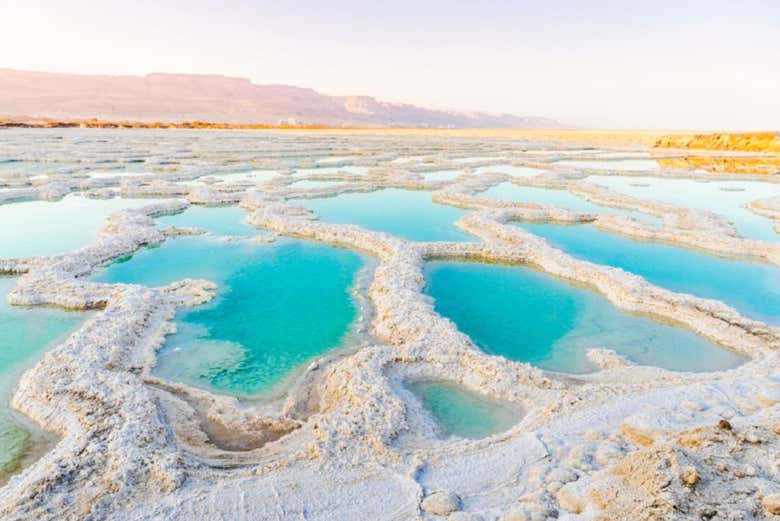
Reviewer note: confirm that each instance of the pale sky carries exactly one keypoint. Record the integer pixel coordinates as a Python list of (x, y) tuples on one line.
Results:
[(652, 64)]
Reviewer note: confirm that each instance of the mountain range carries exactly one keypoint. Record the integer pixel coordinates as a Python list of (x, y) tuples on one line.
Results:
[(215, 98)]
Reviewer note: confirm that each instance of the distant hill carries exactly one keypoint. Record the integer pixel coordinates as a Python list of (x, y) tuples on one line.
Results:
[(187, 97)]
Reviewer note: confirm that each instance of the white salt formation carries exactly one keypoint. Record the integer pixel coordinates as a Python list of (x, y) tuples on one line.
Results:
[(625, 442)]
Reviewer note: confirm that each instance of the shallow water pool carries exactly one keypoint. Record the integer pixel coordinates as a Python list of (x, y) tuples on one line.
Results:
[(460, 412), (25, 333), (750, 287), (559, 198), (726, 198), (46, 228), (528, 316), (407, 214), (34, 168), (219, 220), (279, 305)]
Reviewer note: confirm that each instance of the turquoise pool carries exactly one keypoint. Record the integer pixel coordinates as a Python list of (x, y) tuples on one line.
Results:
[(279, 305), (727, 198), (25, 333), (408, 214), (752, 288), (459, 412), (525, 315), (46, 228), (558, 198), (219, 220)]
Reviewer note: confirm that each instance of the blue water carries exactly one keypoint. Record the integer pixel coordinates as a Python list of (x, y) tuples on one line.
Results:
[(33, 168), (405, 213), (25, 333), (46, 228), (727, 198), (559, 198), (219, 220), (525, 315), (279, 305), (752, 288), (462, 413)]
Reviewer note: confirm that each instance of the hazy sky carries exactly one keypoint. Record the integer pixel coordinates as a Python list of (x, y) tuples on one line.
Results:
[(649, 64)]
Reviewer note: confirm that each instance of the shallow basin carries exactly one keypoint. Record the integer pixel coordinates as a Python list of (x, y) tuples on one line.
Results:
[(25, 333), (750, 287), (46, 228), (459, 412), (525, 315), (408, 214), (726, 198), (279, 305)]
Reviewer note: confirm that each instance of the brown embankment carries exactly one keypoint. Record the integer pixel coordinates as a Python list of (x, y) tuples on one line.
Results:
[(731, 141)]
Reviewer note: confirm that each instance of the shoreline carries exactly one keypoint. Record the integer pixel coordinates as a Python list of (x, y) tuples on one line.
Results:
[(703, 141)]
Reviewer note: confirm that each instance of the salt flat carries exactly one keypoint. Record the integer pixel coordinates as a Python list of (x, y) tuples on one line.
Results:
[(279, 345)]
